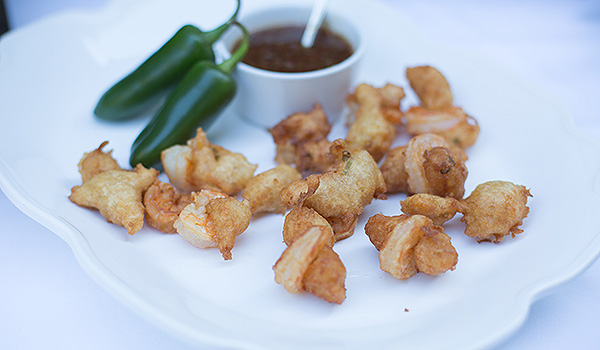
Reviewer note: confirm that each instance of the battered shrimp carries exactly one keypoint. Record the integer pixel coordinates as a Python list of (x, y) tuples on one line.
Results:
[(299, 219), (295, 260), (450, 122), (393, 171), (95, 162), (297, 129), (432, 167), (163, 204), (438, 209), (213, 219), (310, 264), (262, 191), (117, 194), (371, 130), (431, 87), (411, 244), (340, 194), (203, 165), (494, 210)]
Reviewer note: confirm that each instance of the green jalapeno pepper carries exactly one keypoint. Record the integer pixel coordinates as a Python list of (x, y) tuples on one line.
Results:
[(195, 102), (155, 77)]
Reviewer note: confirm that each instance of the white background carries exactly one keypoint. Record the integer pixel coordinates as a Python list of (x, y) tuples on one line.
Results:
[(48, 302)]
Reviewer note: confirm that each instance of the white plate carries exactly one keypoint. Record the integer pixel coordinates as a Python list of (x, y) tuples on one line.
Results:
[(53, 72)]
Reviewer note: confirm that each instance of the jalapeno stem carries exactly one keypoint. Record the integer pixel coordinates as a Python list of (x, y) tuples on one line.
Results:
[(213, 35), (228, 65)]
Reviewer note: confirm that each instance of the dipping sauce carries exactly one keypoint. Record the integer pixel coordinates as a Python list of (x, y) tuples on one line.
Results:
[(279, 50)]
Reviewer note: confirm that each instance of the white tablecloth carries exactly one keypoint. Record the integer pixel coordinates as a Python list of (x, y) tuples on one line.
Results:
[(48, 302)]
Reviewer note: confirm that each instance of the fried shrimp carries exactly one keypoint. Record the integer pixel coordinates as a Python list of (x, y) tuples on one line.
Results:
[(438, 209), (163, 203), (371, 129), (203, 165), (295, 260), (299, 219), (262, 191), (433, 167), (411, 244), (310, 264), (117, 194), (297, 129), (340, 194), (393, 171), (95, 162), (213, 219), (450, 122), (494, 210), (431, 87)]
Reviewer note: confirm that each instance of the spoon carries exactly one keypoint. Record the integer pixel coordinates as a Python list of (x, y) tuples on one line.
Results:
[(317, 14)]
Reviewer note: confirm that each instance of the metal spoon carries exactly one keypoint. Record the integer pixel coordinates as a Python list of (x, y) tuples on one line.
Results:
[(317, 14)]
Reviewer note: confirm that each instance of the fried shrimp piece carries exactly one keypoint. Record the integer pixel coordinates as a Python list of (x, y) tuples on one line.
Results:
[(371, 130), (310, 264), (117, 194), (411, 244), (494, 210), (203, 165), (392, 169), (450, 122), (295, 260), (438, 209), (163, 203), (431, 87), (94, 162), (434, 254), (446, 177), (299, 219), (314, 157), (297, 129), (434, 167), (379, 227), (262, 191), (340, 194), (213, 219), (326, 276)]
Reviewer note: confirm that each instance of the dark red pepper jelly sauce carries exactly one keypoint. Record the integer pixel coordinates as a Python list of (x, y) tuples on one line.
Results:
[(278, 49)]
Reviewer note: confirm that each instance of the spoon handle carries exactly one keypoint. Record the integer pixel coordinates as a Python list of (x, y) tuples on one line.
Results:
[(315, 20)]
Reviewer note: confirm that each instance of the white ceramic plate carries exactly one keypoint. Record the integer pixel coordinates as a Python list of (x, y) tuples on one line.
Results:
[(53, 72)]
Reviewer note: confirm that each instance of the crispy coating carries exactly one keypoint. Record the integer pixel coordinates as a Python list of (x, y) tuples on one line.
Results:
[(326, 276), (450, 122), (297, 129), (342, 192), (431, 87), (438, 209), (434, 167), (262, 191), (202, 165), (291, 267), (163, 203), (299, 219), (95, 162), (446, 176), (393, 171), (213, 219), (434, 254), (494, 210), (314, 157), (379, 227), (371, 130), (411, 244), (229, 218), (117, 194), (396, 255)]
